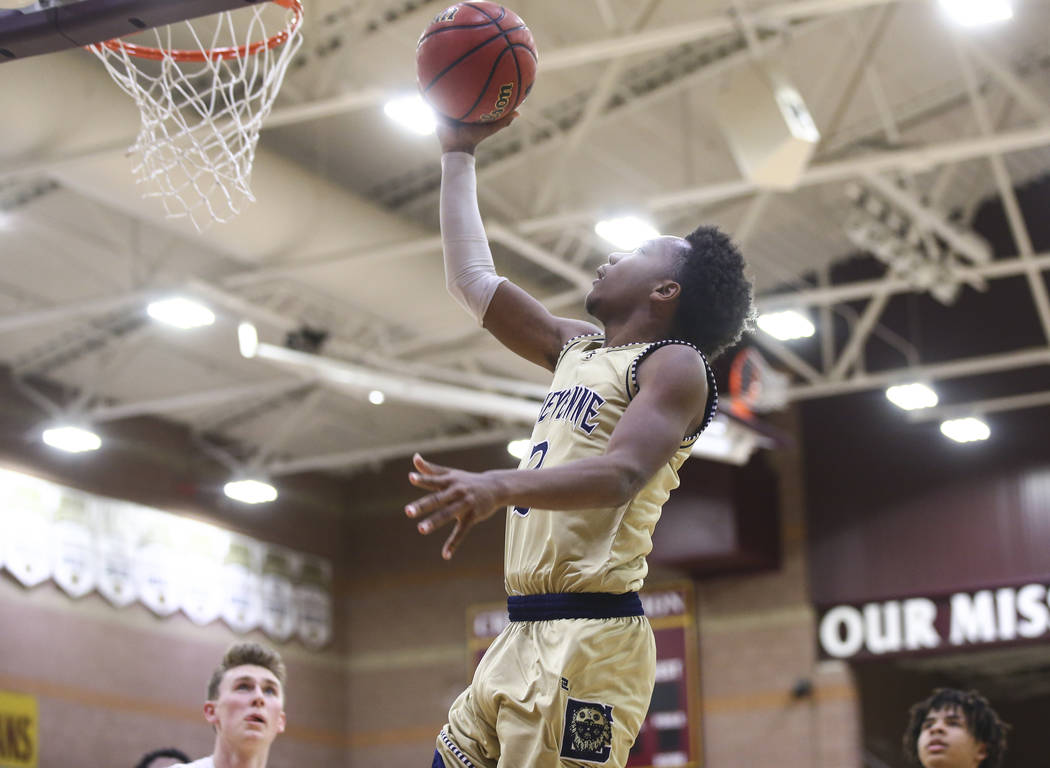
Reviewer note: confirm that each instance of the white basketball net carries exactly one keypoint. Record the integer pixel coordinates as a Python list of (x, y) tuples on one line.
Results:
[(201, 119)]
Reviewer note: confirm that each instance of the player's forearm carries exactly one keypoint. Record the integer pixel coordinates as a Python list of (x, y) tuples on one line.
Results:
[(470, 275), (601, 481)]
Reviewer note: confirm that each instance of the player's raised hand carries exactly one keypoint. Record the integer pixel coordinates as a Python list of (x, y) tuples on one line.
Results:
[(464, 137), (464, 497)]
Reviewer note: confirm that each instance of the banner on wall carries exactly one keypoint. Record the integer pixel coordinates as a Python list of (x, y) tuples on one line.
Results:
[(130, 553), (1005, 615), (670, 733), (19, 731)]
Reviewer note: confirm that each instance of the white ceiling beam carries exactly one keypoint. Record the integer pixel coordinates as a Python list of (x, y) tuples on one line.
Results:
[(699, 29), (860, 335), (378, 454), (190, 400), (988, 405), (966, 243), (1014, 217), (295, 418), (1023, 358), (913, 158), (837, 294), (1025, 95), (359, 380), (96, 306)]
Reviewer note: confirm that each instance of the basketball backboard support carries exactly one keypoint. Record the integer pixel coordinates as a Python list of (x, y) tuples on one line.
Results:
[(50, 26)]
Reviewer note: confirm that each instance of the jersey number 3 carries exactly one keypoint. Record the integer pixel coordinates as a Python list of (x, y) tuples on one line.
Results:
[(539, 453)]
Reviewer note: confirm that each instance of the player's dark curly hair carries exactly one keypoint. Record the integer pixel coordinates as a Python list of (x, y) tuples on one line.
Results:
[(715, 306), (983, 722)]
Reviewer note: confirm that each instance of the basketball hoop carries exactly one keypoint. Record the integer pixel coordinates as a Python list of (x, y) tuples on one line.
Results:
[(204, 88), (754, 385)]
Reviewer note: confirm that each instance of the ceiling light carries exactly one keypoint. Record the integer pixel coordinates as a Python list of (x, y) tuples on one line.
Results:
[(965, 430), (411, 112), (974, 13), (247, 339), (626, 232), (375, 397), (518, 448), (72, 439), (786, 325), (250, 491), (911, 396), (181, 313)]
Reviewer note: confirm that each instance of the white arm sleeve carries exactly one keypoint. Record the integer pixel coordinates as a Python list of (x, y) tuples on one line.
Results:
[(470, 275)]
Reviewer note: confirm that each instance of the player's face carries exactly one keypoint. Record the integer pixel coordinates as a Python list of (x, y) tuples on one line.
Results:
[(629, 277), (945, 741), (249, 709)]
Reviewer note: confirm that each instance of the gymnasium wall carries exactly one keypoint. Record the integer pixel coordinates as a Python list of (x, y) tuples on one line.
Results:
[(112, 684)]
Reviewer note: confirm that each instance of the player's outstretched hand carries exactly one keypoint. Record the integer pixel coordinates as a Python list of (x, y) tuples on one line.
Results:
[(464, 137), (464, 497)]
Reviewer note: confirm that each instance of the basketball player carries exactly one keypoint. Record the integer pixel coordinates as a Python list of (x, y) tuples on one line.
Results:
[(952, 729), (569, 681), (245, 707)]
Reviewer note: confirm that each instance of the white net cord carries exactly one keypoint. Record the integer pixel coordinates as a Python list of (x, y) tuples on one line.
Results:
[(201, 119)]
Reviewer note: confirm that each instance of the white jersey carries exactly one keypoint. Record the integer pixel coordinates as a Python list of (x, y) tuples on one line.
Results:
[(590, 550), (204, 762)]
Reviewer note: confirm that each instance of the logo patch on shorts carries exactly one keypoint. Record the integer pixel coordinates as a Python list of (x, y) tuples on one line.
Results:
[(588, 731)]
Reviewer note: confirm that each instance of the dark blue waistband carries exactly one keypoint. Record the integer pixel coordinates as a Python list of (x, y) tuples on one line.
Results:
[(573, 605)]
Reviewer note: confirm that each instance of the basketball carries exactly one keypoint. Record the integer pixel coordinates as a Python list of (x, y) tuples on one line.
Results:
[(476, 62)]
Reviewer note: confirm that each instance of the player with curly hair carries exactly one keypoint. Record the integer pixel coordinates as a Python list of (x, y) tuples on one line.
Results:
[(569, 681), (955, 729)]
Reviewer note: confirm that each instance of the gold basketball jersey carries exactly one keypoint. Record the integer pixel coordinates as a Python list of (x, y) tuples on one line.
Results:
[(589, 550)]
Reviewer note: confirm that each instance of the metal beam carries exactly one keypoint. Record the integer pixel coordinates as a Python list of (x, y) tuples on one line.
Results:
[(96, 306), (913, 158), (860, 335), (1011, 206), (376, 454), (358, 380), (837, 294), (190, 400), (966, 243), (1022, 358), (988, 405)]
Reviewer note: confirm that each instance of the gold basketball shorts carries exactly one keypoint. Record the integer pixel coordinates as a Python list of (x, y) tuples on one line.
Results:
[(553, 692)]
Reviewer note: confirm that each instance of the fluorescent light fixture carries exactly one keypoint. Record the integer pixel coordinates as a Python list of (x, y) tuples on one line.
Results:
[(181, 312), (250, 491), (247, 339), (412, 113), (72, 439), (518, 448), (375, 397), (626, 232), (975, 13), (786, 325), (965, 430), (911, 396)]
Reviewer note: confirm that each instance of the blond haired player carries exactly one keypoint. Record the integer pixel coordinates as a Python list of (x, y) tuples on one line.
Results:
[(569, 681), (245, 707)]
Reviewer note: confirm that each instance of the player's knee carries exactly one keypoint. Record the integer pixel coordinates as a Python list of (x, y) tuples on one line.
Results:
[(438, 762)]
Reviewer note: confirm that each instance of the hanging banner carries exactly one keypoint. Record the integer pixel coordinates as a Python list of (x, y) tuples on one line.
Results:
[(19, 731), (242, 608), (131, 553), (204, 548), (29, 506), (279, 618), (115, 542), (313, 597), (670, 733), (75, 564)]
